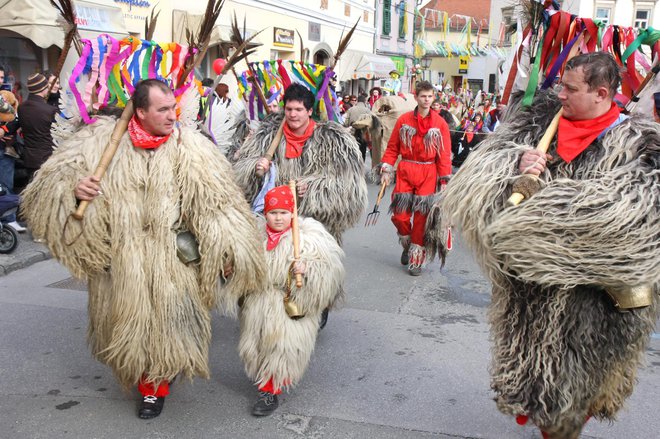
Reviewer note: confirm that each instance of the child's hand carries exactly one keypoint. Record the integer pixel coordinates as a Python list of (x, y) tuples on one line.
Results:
[(299, 267)]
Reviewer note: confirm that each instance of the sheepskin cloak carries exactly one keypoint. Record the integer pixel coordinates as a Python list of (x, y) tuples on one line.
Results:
[(272, 345), (149, 312), (561, 350), (330, 164)]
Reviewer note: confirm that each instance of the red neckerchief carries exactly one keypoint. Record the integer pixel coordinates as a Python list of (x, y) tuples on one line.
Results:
[(274, 237), (469, 135), (575, 136), (141, 138), (424, 124), (294, 142)]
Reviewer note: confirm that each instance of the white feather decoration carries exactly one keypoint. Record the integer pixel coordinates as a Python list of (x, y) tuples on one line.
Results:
[(189, 105), (67, 120)]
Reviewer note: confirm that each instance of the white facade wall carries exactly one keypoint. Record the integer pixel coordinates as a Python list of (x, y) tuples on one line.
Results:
[(622, 11)]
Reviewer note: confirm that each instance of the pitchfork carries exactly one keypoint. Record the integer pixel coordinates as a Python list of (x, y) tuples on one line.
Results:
[(372, 218)]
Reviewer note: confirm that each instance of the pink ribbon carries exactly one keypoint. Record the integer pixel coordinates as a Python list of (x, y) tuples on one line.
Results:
[(75, 75), (104, 71), (96, 58)]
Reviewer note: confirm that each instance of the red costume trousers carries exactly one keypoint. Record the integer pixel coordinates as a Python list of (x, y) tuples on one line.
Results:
[(149, 389), (413, 180), (268, 387)]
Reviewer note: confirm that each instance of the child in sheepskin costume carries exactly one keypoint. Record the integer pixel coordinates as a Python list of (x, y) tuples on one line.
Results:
[(324, 158), (275, 348)]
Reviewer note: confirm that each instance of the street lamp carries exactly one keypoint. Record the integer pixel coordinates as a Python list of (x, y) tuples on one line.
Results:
[(426, 62)]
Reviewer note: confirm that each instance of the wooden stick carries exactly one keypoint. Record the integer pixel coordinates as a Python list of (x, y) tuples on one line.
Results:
[(270, 153), (543, 146), (108, 153), (649, 76), (381, 193), (294, 231)]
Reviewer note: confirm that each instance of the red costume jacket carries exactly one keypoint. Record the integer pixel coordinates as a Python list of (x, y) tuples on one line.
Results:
[(434, 147)]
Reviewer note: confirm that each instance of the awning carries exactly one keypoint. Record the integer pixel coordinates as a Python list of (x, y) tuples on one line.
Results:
[(355, 64), (183, 21), (37, 20)]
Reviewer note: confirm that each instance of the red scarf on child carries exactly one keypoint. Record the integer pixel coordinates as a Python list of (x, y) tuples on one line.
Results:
[(294, 142), (141, 138), (574, 136), (274, 237)]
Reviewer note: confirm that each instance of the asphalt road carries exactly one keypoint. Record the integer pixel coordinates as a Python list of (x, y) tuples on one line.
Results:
[(406, 357)]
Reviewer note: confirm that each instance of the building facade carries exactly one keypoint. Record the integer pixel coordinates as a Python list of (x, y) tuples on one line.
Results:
[(395, 36), (629, 13), (31, 39), (459, 38)]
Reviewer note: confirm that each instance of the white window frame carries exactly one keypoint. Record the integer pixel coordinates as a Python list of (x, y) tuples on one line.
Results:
[(641, 23), (607, 20), (508, 17)]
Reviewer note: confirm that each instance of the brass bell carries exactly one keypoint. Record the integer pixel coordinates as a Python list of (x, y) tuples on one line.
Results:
[(187, 248), (628, 297), (292, 309)]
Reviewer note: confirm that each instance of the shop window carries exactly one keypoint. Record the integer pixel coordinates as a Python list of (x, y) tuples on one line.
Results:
[(387, 17)]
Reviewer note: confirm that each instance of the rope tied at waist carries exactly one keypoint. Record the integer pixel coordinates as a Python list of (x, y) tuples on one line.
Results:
[(417, 163)]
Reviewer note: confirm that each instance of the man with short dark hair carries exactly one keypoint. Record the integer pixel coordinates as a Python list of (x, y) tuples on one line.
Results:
[(163, 227), (323, 158), (421, 137), (35, 117), (575, 268)]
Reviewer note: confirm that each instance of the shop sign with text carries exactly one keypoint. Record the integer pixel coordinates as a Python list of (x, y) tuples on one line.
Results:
[(283, 37)]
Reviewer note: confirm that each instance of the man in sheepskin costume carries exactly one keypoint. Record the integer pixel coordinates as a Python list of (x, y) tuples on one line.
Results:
[(275, 347), (421, 137), (575, 268), (149, 311), (323, 158)]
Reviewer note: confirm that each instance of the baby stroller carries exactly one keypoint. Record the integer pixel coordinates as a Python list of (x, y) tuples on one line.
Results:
[(8, 206)]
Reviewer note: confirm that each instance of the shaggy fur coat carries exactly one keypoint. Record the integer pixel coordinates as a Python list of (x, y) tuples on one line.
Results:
[(272, 345), (330, 164), (148, 311), (561, 350)]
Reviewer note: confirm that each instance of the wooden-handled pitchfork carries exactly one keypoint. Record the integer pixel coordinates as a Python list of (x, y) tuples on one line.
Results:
[(372, 218)]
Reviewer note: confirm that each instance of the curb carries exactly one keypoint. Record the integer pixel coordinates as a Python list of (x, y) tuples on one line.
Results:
[(26, 254)]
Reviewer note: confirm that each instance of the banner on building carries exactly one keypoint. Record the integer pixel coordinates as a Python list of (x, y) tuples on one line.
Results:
[(400, 63)]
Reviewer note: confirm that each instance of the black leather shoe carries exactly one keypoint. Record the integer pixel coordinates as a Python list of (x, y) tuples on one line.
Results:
[(151, 406), (324, 318), (265, 405), (404, 257)]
